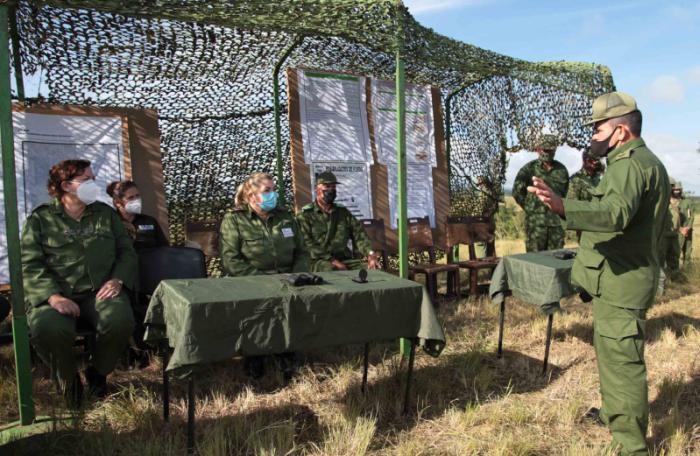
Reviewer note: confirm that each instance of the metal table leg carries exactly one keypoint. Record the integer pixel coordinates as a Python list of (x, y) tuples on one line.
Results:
[(190, 415), (547, 343), (366, 368), (166, 383), (409, 375), (500, 327)]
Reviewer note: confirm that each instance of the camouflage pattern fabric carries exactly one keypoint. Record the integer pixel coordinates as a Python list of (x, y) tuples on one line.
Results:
[(581, 184), (687, 220), (543, 228)]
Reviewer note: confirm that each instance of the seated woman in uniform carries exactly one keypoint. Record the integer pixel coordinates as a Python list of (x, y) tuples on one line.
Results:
[(77, 262), (260, 237), (142, 228), (146, 233)]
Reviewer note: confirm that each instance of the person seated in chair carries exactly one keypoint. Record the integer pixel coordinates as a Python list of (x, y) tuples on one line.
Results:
[(328, 227), (142, 228), (259, 237), (77, 263), (146, 233)]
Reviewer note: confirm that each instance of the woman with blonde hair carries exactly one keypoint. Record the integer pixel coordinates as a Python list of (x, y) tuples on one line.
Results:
[(259, 237)]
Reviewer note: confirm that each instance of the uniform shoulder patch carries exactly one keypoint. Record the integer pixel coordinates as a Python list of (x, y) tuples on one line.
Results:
[(622, 155)]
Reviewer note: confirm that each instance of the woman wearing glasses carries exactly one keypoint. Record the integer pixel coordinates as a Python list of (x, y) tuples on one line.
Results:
[(77, 260)]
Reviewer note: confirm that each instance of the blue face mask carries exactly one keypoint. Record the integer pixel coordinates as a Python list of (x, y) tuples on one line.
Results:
[(269, 201)]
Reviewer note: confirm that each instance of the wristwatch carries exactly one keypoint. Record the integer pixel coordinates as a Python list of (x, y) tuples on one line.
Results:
[(371, 253)]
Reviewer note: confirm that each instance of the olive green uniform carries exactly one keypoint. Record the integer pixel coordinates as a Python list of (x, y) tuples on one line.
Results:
[(543, 228), (687, 212), (252, 246), (61, 255), (672, 235), (581, 185), (618, 265), (327, 236)]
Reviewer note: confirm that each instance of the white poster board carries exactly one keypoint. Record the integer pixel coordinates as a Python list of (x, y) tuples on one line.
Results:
[(419, 193), (41, 140), (420, 130), (333, 117), (354, 190)]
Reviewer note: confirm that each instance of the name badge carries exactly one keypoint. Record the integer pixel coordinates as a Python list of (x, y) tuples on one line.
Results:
[(287, 232), (147, 228)]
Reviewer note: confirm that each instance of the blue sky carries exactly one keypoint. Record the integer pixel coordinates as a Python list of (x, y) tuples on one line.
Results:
[(651, 47)]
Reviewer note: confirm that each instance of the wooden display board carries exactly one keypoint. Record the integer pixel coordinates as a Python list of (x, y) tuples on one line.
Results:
[(141, 142), (301, 171)]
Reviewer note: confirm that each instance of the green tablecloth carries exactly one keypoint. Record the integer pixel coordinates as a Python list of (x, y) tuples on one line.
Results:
[(208, 320), (538, 278)]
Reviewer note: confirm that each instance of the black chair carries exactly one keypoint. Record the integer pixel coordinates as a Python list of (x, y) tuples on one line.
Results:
[(163, 263)]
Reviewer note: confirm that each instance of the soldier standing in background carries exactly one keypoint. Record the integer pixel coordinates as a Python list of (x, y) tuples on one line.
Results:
[(672, 248), (543, 228), (687, 212), (582, 183)]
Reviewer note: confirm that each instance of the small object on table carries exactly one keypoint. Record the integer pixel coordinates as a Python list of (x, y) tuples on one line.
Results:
[(361, 276)]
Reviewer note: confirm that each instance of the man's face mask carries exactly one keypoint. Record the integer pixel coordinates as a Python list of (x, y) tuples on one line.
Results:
[(600, 149), (546, 156), (329, 196)]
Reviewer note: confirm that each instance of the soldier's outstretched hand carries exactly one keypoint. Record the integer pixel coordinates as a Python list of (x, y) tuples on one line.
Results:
[(546, 195)]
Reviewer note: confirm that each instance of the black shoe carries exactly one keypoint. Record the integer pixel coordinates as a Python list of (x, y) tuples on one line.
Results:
[(73, 393), (97, 383), (254, 366), (593, 416)]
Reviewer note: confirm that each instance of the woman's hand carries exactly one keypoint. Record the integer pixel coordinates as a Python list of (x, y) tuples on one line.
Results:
[(109, 290), (64, 306)]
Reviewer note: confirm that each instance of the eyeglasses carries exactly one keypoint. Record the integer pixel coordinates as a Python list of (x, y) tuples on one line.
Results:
[(81, 181)]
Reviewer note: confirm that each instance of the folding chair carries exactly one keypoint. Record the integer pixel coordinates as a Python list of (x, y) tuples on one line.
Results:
[(420, 240), (469, 230), (375, 232)]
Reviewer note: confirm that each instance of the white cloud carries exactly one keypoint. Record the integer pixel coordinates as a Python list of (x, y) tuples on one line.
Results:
[(667, 89), (680, 157), (425, 6), (694, 74)]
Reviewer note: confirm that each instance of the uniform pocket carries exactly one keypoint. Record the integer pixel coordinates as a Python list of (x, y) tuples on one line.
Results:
[(619, 340), (588, 269)]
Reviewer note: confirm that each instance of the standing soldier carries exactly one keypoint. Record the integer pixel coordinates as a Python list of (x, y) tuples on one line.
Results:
[(618, 262), (543, 229), (328, 227), (686, 231), (672, 234), (582, 183)]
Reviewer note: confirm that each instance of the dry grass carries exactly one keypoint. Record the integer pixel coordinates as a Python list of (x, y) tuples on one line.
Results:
[(464, 402)]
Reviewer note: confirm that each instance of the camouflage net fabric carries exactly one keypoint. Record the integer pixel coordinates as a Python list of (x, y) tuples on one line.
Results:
[(207, 68)]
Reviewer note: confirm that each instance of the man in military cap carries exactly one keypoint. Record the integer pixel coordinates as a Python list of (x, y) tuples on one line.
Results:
[(543, 229), (582, 183), (618, 262), (672, 234), (687, 212), (586, 179), (328, 226)]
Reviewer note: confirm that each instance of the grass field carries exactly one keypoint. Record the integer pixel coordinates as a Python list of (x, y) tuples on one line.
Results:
[(464, 402)]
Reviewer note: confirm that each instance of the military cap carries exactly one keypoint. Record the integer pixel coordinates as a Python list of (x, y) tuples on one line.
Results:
[(547, 142), (326, 177), (673, 182), (611, 105), (679, 185)]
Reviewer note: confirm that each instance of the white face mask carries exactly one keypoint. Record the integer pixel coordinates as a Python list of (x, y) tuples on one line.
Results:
[(133, 206), (88, 192)]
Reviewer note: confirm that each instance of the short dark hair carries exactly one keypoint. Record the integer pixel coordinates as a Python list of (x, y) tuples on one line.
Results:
[(633, 120), (64, 171)]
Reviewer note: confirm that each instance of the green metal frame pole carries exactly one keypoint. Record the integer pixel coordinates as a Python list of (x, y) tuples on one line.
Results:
[(19, 317), (277, 113), (14, 35), (405, 344)]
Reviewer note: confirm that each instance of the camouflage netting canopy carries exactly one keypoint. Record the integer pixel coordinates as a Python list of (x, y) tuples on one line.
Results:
[(207, 68)]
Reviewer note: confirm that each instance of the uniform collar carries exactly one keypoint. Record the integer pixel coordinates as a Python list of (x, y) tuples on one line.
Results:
[(57, 208), (625, 150), (541, 166), (317, 208), (251, 213)]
